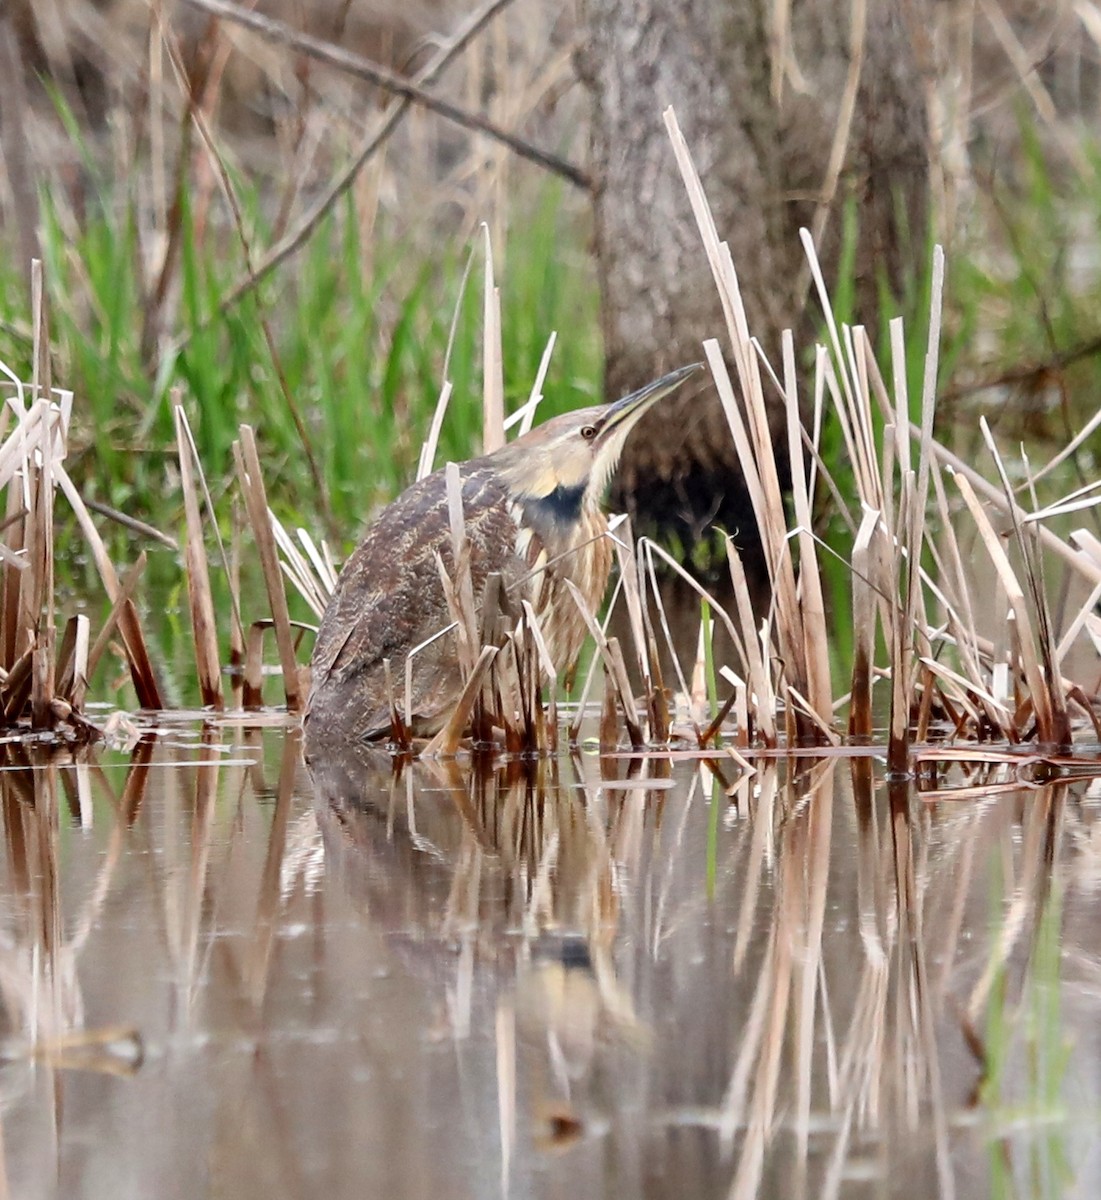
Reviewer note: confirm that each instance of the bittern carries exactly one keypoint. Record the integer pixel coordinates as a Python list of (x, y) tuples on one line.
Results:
[(533, 516)]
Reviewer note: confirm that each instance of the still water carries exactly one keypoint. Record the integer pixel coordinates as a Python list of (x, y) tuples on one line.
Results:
[(224, 973)]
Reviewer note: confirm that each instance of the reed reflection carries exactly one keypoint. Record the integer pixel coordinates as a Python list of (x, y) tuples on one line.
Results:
[(500, 882), (604, 975)]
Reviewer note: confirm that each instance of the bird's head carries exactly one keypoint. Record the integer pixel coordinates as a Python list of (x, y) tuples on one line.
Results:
[(573, 456)]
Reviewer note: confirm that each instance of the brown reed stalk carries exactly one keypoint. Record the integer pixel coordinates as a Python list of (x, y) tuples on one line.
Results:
[(142, 672), (256, 503), (72, 661), (204, 627), (614, 666)]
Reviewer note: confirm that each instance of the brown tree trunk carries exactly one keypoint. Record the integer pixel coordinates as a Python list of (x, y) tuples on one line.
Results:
[(760, 119)]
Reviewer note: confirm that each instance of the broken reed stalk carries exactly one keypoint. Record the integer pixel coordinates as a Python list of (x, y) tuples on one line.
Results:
[(615, 668), (645, 651), (124, 597), (142, 673), (819, 688), (864, 570), (256, 503), (204, 628), (546, 669), (72, 662), (40, 540), (1051, 720), (447, 741), (493, 382), (1052, 703), (459, 584), (52, 679)]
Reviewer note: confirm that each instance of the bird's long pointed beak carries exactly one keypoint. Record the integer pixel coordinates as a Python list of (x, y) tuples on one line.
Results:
[(628, 410)]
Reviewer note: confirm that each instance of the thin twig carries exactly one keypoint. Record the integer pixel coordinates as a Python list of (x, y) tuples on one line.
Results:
[(364, 68), (302, 232), (132, 523), (1026, 373), (230, 193)]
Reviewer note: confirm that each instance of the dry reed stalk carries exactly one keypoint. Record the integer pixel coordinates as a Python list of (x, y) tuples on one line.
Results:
[(230, 564), (762, 483), (125, 592), (428, 448), (697, 692), (129, 623), (608, 729), (1089, 569), (39, 522), (447, 741), (660, 702), (72, 661), (626, 696), (965, 692), (496, 627), (510, 686), (614, 666), (1054, 701), (11, 578), (711, 733), (759, 679), (590, 675), (1051, 722), (493, 383), (657, 698), (308, 569), (252, 669), (256, 503), (754, 444), (524, 416), (916, 493), (864, 570), (17, 687), (652, 548), (459, 585), (204, 627), (627, 556), (548, 671), (233, 578), (819, 688), (1091, 547), (530, 732)]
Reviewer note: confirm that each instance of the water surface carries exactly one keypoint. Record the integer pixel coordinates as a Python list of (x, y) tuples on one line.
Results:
[(223, 973)]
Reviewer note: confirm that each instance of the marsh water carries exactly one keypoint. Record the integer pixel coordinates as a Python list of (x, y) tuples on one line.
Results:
[(226, 973)]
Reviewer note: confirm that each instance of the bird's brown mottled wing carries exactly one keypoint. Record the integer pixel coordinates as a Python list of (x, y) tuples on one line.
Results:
[(389, 599)]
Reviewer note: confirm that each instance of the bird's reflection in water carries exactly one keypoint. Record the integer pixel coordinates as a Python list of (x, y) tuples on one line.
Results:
[(497, 884)]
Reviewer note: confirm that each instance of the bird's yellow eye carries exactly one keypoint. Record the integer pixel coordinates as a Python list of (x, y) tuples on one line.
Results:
[(588, 432)]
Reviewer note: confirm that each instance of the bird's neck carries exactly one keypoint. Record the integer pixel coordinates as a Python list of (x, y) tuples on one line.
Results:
[(564, 517), (557, 512)]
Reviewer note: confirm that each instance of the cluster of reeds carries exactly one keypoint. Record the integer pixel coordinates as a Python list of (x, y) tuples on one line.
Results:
[(916, 616), (911, 582), (43, 677)]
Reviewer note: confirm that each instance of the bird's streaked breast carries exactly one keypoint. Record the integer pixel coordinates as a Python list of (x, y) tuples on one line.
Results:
[(578, 551)]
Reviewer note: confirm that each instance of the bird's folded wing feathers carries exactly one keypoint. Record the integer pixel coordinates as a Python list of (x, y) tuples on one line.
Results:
[(389, 598)]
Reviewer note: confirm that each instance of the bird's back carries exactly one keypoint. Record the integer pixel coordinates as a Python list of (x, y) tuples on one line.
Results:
[(389, 599)]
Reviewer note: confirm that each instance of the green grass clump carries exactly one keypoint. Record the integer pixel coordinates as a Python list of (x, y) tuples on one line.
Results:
[(359, 352)]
